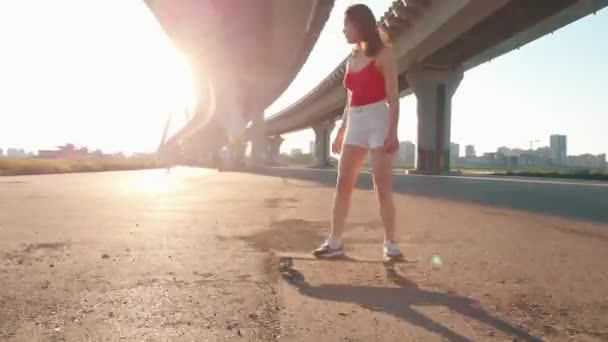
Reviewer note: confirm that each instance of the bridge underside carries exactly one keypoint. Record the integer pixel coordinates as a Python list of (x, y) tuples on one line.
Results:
[(515, 17), (432, 67), (244, 54), (506, 23)]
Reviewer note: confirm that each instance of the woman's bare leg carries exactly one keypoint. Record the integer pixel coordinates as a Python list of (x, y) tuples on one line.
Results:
[(351, 162), (382, 170)]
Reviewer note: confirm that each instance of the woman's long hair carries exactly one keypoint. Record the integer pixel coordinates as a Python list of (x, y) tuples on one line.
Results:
[(365, 22)]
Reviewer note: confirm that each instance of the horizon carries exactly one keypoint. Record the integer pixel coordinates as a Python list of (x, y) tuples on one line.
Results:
[(97, 85), (290, 151)]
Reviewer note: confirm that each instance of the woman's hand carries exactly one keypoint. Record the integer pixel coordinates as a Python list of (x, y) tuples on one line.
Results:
[(391, 143), (336, 146)]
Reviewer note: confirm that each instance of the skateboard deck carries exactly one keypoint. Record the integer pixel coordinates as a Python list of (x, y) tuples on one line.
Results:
[(347, 258)]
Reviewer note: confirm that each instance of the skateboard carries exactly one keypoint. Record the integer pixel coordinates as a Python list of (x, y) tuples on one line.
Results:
[(345, 258)]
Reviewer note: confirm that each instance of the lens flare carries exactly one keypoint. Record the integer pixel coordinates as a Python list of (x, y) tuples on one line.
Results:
[(436, 260)]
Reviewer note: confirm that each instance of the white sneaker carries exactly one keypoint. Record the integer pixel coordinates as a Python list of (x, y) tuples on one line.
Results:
[(391, 251), (328, 252)]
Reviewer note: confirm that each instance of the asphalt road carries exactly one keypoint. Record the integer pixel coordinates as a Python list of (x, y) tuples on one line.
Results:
[(576, 199), (202, 255)]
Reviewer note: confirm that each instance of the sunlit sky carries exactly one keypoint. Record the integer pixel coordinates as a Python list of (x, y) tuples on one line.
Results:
[(90, 72), (103, 74)]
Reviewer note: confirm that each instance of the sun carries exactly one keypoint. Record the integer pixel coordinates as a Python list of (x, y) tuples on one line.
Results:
[(80, 80)]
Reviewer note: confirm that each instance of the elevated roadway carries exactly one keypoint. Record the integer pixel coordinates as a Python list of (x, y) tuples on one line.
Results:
[(244, 54), (435, 43)]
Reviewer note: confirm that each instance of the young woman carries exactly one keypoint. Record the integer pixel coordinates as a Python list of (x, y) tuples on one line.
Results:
[(369, 124)]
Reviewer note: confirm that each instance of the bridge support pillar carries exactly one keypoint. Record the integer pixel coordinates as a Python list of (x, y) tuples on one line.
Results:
[(434, 90), (236, 156), (258, 144), (322, 142), (274, 149)]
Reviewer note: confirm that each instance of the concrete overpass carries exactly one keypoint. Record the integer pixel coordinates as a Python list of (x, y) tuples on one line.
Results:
[(436, 42), (244, 54)]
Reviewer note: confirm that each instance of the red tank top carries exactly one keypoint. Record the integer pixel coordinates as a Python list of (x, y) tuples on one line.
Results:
[(367, 85)]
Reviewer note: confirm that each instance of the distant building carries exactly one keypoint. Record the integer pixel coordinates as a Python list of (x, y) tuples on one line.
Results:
[(510, 152), (489, 158), (515, 157), (311, 147), (588, 161), (296, 151), (534, 158), (1, 153), (69, 151), (48, 154), (503, 150), (545, 152), (97, 154), (407, 154), (470, 151), (454, 153), (559, 149), (16, 153)]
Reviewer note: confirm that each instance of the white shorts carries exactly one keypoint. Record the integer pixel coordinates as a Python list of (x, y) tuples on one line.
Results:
[(368, 125)]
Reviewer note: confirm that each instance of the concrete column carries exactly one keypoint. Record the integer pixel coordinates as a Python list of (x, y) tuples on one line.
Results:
[(235, 155), (274, 149), (258, 143), (322, 142), (216, 159), (434, 90), (240, 154)]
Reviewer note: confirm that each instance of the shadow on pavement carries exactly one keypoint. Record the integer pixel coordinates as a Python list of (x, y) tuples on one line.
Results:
[(576, 201), (288, 235), (399, 301), (299, 236)]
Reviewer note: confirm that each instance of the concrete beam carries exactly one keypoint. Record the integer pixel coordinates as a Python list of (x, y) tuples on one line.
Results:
[(236, 156), (563, 18), (443, 22), (273, 144), (259, 148), (334, 99), (433, 24), (323, 132), (434, 91)]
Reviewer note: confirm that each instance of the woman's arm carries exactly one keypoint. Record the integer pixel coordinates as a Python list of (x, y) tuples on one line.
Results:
[(388, 67), (345, 115), (336, 147)]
